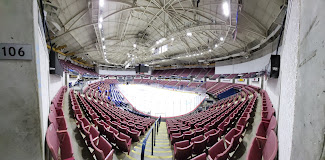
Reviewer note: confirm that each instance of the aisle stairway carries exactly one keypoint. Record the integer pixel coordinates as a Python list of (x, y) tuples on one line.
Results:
[(162, 150)]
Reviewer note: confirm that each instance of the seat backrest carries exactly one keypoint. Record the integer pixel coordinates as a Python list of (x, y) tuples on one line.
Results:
[(272, 124), (230, 134), (99, 152), (52, 141), (255, 151), (197, 138), (104, 146), (182, 144), (93, 132), (115, 131), (123, 136), (216, 149), (210, 132), (271, 146)]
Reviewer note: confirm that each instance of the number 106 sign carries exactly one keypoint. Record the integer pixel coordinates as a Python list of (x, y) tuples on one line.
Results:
[(15, 51)]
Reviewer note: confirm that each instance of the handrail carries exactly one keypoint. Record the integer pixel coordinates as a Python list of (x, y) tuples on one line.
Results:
[(153, 143)]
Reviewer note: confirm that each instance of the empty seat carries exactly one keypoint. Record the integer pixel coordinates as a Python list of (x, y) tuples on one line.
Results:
[(176, 137), (265, 127), (59, 140), (182, 150), (188, 135), (199, 144), (134, 134), (202, 156), (199, 131), (219, 151), (123, 142), (58, 122), (213, 138), (102, 149), (235, 134), (91, 132), (265, 148)]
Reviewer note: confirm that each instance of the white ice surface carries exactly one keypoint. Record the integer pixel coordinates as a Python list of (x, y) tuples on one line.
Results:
[(159, 101)]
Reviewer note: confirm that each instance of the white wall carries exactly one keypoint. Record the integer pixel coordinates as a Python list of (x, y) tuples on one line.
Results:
[(255, 65), (256, 83), (56, 82), (288, 80)]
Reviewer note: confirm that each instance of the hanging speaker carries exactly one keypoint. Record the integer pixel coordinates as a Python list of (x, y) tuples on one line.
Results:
[(275, 66)]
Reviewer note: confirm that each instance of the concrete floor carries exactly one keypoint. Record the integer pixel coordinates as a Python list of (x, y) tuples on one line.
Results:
[(163, 150)]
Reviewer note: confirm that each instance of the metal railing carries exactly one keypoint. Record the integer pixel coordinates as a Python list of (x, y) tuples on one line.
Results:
[(155, 130)]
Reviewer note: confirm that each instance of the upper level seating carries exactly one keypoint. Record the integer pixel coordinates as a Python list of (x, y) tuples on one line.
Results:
[(67, 65), (203, 72), (210, 72), (194, 84), (186, 72), (178, 72), (183, 83), (231, 76), (172, 83), (196, 71)]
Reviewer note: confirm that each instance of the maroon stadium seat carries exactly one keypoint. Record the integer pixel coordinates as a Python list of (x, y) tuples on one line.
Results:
[(59, 142), (199, 144), (265, 127), (182, 150), (219, 152), (102, 149), (123, 142), (265, 148)]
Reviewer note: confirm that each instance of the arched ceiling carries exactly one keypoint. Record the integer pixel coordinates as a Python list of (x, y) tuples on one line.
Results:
[(131, 28)]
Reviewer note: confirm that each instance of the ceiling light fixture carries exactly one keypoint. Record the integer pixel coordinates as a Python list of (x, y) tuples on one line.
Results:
[(104, 47), (135, 45), (100, 19), (100, 26), (103, 39), (101, 3), (189, 34), (209, 50), (221, 38), (226, 9), (216, 45), (172, 39)]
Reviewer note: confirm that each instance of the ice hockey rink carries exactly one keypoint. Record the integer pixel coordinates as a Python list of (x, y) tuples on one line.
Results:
[(160, 102)]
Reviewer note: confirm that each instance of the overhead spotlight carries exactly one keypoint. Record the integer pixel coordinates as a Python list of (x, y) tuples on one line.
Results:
[(103, 39), (216, 45), (105, 53), (100, 26), (226, 9), (101, 3), (104, 47), (221, 39), (178, 57), (201, 53), (135, 45), (172, 39), (189, 34), (209, 50), (100, 19)]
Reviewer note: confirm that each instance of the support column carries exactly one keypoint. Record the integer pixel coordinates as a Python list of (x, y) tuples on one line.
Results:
[(24, 84)]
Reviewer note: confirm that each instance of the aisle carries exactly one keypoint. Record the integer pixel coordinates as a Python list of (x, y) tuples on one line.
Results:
[(162, 150)]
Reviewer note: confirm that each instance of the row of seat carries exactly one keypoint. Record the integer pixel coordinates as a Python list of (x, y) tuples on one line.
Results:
[(57, 137), (211, 136), (102, 149), (265, 144)]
